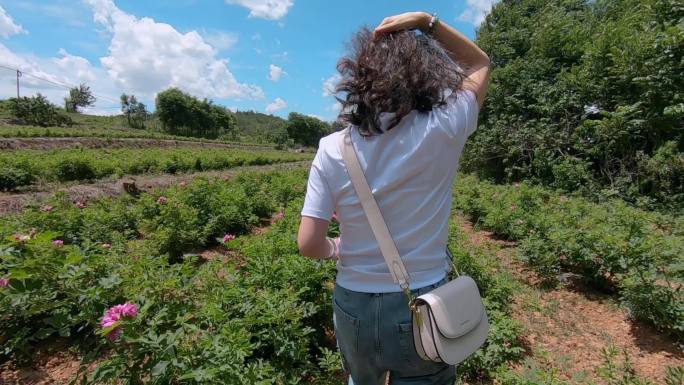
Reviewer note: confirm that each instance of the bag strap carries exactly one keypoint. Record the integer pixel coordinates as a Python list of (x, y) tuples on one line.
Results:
[(370, 207)]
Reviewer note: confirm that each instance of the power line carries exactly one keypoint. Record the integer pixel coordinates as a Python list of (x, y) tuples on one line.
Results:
[(54, 82)]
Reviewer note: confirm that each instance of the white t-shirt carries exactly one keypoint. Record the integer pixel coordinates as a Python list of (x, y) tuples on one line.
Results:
[(410, 170)]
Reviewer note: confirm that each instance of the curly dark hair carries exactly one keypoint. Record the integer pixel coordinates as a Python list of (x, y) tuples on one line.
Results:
[(399, 72)]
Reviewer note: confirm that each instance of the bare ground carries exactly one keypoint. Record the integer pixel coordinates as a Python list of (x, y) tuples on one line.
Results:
[(13, 203), (568, 327), (50, 143)]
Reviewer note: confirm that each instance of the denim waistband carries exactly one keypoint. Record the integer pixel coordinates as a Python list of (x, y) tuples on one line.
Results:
[(419, 291)]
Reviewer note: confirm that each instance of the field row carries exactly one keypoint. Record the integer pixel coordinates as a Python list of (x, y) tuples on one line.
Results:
[(23, 168), (14, 131), (613, 247), (256, 313)]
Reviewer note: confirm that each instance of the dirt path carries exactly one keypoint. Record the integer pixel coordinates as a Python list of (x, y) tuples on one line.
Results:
[(96, 142), (14, 203), (567, 328)]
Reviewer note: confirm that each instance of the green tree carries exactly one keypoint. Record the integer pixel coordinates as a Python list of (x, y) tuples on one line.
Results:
[(183, 114), (135, 111), (80, 96), (306, 130), (584, 95)]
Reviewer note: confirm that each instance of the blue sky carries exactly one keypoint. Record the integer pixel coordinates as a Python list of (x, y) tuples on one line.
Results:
[(272, 56)]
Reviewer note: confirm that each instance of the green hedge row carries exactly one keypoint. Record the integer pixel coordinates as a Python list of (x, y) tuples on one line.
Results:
[(21, 168)]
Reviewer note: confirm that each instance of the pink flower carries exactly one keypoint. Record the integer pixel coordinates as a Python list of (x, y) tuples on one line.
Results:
[(80, 205), (4, 282), (162, 200), (334, 217), (106, 246), (228, 237), (516, 184), (116, 314), (46, 208), (58, 242), (279, 216), (183, 183)]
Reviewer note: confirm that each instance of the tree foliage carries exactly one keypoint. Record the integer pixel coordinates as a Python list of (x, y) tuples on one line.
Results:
[(38, 111), (80, 96), (135, 111), (183, 114), (306, 130), (585, 96)]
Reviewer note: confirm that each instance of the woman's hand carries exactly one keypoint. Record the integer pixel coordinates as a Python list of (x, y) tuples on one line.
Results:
[(408, 20)]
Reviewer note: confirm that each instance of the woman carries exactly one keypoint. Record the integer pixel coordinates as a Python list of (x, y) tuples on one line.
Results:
[(411, 109)]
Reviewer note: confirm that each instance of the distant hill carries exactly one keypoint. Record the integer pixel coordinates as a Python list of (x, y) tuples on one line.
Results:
[(255, 124)]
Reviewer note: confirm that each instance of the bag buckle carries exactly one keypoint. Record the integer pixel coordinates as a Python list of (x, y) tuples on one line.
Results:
[(412, 304)]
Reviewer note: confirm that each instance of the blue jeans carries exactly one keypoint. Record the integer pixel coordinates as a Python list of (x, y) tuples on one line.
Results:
[(374, 334)]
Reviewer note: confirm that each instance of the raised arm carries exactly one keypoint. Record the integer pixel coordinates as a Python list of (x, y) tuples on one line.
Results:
[(460, 48)]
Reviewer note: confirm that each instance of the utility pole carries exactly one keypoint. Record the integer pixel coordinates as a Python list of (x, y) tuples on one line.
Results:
[(18, 76)]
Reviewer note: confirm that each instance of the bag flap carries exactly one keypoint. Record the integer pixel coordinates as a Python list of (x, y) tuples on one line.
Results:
[(456, 307)]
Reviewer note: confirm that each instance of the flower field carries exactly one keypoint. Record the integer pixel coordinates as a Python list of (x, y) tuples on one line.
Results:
[(128, 282), (25, 167)]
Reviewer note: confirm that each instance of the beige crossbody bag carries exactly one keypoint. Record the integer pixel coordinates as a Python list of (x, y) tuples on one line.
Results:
[(449, 322)]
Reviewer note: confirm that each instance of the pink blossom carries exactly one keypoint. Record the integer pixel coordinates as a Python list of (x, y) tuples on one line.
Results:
[(162, 200), (115, 314), (4, 282), (58, 242), (80, 205), (106, 246), (280, 215), (334, 216), (516, 184), (183, 183), (228, 237), (46, 208)]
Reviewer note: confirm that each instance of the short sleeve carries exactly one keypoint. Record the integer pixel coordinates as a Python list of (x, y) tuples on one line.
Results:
[(318, 202), (459, 117)]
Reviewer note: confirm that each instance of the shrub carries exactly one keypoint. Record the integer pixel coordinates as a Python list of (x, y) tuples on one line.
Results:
[(13, 177), (74, 169), (38, 111)]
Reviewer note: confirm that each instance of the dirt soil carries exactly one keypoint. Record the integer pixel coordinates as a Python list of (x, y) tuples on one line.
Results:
[(571, 325), (53, 365), (15, 202), (93, 142)]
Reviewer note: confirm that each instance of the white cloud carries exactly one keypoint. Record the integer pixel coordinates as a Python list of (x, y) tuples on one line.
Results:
[(330, 83), (476, 11), (275, 73), (256, 36), (220, 40), (265, 9), (277, 105), (79, 66), (146, 57), (52, 77), (7, 25)]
